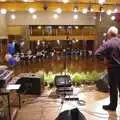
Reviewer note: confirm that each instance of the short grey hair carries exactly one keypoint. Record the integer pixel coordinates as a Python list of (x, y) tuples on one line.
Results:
[(113, 30)]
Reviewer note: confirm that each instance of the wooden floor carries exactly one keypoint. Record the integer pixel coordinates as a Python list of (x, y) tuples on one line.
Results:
[(45, 108), (58, 65)]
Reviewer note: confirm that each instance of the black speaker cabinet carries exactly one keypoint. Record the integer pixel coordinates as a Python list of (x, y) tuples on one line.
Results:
[(102, 84), (73, 114), (31, 85)]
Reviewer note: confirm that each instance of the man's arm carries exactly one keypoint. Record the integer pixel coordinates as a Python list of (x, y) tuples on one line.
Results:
[(103, 51)]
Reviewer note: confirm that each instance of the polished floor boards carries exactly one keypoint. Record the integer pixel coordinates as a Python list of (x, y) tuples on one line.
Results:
[(59, 64), (46, 108)]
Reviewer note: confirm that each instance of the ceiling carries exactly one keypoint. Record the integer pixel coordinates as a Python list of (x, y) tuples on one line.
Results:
[(39, 5), (70, 1)]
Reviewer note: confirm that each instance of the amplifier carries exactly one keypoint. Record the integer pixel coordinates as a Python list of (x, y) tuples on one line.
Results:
[(30, 85)]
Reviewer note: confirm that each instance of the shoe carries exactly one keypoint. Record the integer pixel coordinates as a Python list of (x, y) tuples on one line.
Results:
[(108, 107)]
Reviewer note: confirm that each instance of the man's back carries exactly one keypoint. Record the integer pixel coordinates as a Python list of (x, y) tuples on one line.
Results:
[(111, 51)]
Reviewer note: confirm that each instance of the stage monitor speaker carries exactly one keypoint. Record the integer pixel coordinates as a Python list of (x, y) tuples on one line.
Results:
[(62, 81), (102, 84), (73, 114), (30, 85)]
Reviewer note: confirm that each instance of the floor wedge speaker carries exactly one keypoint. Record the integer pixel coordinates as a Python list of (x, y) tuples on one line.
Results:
[(102, 84), (73, 114)]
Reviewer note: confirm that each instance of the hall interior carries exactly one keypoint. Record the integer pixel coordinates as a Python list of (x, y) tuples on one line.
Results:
[(44, 39)]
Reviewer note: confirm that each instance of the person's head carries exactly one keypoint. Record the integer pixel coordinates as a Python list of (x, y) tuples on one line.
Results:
[(112, 32)]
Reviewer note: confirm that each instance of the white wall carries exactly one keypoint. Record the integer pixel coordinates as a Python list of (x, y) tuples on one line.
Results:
[(46, 18)]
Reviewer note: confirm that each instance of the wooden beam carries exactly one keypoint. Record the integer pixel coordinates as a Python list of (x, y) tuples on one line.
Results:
[(39, 6)]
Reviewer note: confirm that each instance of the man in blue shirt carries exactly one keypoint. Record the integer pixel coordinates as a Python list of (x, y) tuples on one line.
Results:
[(110, 51)]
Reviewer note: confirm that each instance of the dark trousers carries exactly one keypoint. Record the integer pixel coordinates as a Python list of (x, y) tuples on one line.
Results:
[(114, 83)]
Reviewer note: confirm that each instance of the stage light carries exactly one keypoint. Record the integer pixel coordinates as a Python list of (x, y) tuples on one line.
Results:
[(101, 2), (34, 16), (60, 27), (113, 18), (38, 42), (31, 10), (3, 11), (59, 10), (75, 17), (39, 27), (76, 27), (85, 10), (65, 1), (91, 10), (13, 17), (58, 42), (109, 12), (77, 40), (25, 0), (55, 16)]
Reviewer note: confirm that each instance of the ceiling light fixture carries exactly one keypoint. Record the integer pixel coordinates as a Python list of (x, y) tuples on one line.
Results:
[(31, 10), (25, 0), (84, 10), (3, 11), (34, 16), (59, 10), (13, 10), (91, 10), (113, 18), (55, 16), (75, 17), (65, 1), (101, 2), (13, 17), (109, 12)]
